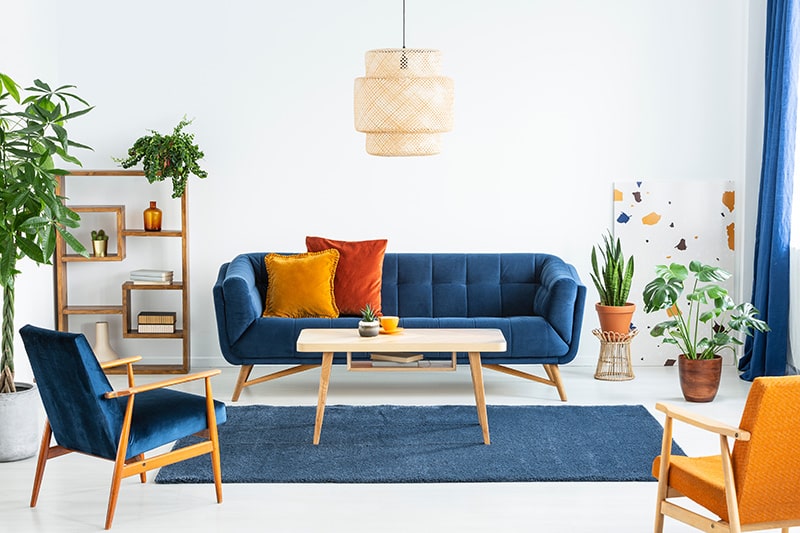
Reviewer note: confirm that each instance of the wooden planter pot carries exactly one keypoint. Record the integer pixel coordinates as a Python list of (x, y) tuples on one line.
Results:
[(615, 318), (699, 378)]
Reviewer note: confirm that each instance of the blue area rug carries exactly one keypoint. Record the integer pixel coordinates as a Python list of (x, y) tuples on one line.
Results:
[(400, 444)]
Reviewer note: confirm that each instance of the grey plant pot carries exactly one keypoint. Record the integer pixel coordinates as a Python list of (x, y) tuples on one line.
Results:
[(20, 428), (369, 329)]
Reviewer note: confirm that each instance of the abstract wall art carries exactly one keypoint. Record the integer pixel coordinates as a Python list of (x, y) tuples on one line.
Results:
[(660, 222)]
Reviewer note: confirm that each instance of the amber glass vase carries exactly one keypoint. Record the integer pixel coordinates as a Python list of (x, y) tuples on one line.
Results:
[(152, 218)]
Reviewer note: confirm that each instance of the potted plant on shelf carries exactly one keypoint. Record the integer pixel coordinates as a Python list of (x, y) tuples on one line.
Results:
[(613, 283), (99, 243), (33, 137), (699, 362), (167, 156), (370, 324)]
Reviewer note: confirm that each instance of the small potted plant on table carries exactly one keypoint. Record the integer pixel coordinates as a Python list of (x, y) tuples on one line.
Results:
[(369, 325), (699, 363)]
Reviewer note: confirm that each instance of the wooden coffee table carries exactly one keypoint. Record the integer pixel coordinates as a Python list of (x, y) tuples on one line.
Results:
[(473, 341)]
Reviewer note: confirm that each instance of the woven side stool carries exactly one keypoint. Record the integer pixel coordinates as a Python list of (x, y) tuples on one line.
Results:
[(614, 362)]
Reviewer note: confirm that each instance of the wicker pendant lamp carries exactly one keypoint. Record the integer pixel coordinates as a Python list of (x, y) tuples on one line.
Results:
[(402, 103)]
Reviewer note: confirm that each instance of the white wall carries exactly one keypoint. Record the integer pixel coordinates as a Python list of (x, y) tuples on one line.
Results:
[(554, 102)]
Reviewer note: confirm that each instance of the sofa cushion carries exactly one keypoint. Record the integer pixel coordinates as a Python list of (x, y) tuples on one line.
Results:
[(358, 274), (301, 285)]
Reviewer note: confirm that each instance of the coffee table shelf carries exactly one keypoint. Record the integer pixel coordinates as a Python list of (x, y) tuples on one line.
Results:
[(441, 365)]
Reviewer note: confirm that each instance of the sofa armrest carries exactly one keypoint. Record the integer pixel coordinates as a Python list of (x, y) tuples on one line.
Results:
[(237, 298), (560, 298)]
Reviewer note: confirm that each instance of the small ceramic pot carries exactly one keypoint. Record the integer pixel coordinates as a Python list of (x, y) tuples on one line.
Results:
[(369, 329)]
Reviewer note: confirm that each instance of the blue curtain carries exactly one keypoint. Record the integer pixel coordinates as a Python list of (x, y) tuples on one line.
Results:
[(766, 353)]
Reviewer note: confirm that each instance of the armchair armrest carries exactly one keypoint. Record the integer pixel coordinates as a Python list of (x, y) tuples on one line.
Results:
[(130, 391), (120, 362), (702, 422)]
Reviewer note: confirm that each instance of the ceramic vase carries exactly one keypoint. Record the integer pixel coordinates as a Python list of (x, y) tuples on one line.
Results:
[(102, 347)]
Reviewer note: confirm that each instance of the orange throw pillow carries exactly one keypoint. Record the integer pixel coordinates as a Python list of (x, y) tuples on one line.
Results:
[(359, 275), (301, 285)]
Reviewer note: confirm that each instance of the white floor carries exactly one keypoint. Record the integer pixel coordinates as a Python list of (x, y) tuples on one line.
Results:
[(75, 489)]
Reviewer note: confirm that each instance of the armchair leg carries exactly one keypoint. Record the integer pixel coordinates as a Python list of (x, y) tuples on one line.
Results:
[(143, 475), (213, 436), (44, 448)]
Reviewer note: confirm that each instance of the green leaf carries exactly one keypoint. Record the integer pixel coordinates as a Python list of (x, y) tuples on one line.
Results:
[(10, 86), (30, 248), (72, 242)]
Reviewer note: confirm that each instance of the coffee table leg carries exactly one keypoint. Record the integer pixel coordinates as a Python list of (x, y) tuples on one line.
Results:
[(480, 396), (324, 378)]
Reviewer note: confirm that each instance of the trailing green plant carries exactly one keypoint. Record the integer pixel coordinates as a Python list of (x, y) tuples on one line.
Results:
[(368, 314), (613, 280), (167, 156), (708, 306), (99, 235), (33, 136)]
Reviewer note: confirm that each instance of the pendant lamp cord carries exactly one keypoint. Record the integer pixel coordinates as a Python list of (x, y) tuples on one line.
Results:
[(404, 23)]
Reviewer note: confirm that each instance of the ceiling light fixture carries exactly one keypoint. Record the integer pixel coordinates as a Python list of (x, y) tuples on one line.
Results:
[(402, 103)]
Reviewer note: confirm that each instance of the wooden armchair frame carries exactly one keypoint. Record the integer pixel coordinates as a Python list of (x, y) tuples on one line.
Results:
[(665, 491), (139, 465)]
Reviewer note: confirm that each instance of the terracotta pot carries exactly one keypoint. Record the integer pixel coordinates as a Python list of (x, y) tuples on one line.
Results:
[(615, 318), (699, 378)]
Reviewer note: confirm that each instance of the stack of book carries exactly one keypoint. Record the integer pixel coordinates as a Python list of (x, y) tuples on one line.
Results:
[(149, 276), (156, 322), (396, 359)]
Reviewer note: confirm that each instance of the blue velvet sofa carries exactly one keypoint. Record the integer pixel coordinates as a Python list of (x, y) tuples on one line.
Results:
[(536, 300)]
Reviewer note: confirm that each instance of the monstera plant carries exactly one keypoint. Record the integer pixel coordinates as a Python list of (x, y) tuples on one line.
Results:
[(33, 138)]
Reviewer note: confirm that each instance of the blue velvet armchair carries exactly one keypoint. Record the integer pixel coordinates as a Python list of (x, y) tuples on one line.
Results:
[(86, 415)]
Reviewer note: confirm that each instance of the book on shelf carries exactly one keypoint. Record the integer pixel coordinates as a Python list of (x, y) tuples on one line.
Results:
[(156, 317), (414, 364), (396, 357), (151, 282), (156, 328), (151, 273)]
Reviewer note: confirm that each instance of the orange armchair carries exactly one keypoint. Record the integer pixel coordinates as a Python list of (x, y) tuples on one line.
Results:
[(755, 486)]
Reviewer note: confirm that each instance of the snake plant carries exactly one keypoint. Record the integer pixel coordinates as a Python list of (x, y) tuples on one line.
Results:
[(613, 280)]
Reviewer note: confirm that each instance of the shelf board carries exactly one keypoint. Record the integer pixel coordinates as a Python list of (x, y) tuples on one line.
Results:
[(114, 172), (92, 310), (76, 258), (131, 286), (143, 233), (97, 208), (133, 334)]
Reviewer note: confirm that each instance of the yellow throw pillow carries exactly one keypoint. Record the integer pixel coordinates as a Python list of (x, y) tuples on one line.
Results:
[(301, 285)]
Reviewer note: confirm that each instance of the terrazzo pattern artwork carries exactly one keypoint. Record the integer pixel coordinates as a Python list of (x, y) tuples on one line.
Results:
[(660, 222)]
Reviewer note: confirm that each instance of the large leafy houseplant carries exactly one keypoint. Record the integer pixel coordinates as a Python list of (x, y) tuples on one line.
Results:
[(167, 156), (33, 137), (707, 322)]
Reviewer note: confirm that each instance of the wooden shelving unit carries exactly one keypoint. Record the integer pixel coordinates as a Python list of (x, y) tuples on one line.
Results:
[(129, 289)]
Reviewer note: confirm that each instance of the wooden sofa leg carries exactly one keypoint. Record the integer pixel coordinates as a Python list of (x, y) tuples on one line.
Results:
[(244, 373), (555, 376)]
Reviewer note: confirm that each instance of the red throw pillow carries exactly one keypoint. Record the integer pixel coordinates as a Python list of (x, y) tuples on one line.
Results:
[(359, 274)]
